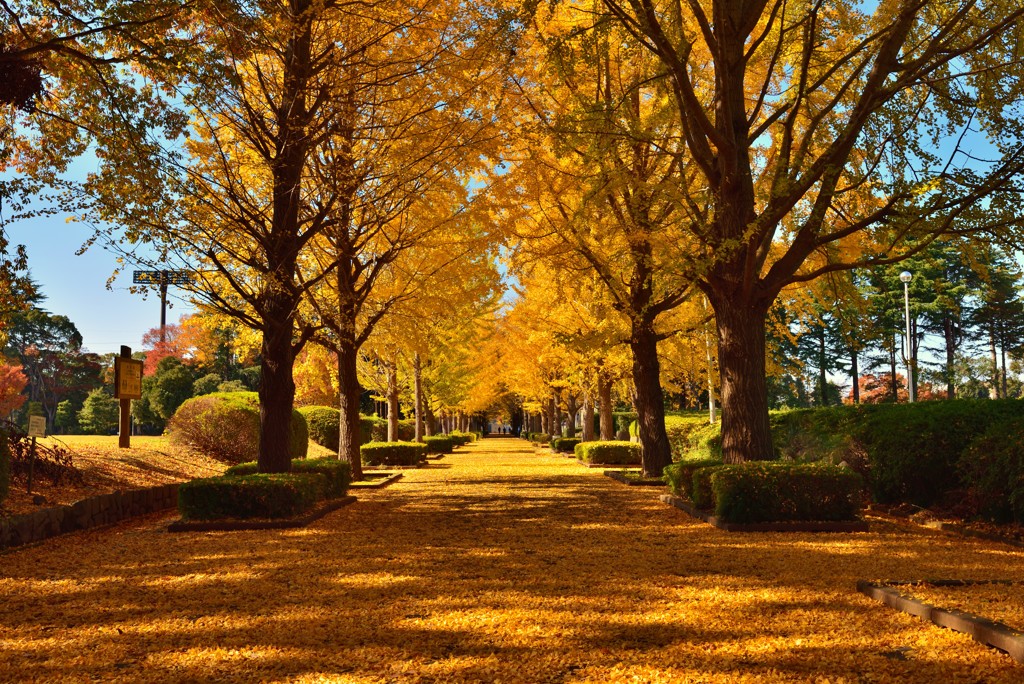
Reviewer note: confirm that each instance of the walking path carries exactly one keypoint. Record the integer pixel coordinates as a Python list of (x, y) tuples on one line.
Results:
[(493, 564)]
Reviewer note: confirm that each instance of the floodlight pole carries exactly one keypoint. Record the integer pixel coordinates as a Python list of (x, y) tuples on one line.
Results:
[(906, 277), (163, 306)]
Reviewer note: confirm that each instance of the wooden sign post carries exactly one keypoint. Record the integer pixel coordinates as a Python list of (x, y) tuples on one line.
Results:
[(36, 428), (127, 386)]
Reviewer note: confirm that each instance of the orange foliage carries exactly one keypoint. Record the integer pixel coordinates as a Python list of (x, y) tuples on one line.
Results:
[(12, 384)]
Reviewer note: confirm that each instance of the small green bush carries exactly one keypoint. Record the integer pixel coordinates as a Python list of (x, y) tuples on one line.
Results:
[(679, 475), (278, 495), (392, 453), (540, 438), (760, 491), (564, 445), (701, 493), (226, 425), (992, 467), (439, 444), (610, 453), (462, 438), (337, 474), (323, 422)]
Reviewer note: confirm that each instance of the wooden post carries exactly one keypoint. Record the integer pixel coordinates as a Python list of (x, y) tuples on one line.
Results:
[(124, 436)]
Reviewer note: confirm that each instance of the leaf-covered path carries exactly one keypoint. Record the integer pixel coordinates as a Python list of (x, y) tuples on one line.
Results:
[(493, 564)]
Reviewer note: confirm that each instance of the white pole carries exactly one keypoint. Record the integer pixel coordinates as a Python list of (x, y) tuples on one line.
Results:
[(905, 277)]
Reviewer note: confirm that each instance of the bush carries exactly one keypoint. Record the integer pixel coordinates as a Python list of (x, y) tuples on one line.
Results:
[(992, 467), (564, 445), (439, 444), (761, 491), (462, 438), (906, 452), (337, 474), (99, 414), (227, 426), (679, 475), (610, 453), (323, 422), (540, 438), (277, 495), (392, 453)]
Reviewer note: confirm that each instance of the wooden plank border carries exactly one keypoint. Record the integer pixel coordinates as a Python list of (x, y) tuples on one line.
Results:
[(981, 629)]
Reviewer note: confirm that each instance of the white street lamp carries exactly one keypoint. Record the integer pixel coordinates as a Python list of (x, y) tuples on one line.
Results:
[(906, 276)]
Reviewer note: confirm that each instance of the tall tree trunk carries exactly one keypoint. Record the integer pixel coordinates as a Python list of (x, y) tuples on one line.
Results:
[(995, 360), (855, 375), (741, 360), (894, 385), (417, 390), (949, 337), (604, 400), (588, 418), (822, 370), (392, 401), (549, 411), (1002, 352), (277, 389), (349, 391), (431, 420), (571, 409), (650, 401), (556, 402)]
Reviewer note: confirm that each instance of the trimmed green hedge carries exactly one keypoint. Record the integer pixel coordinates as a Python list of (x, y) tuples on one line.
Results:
[(761, 491), (392, 453), (540, 438), (323, 422), (463, 438), (610, 453), (992, 467), (565, 445), (226, 425), (679, 475), (337, 474), (278, 495), (439, 444), (906, 452)]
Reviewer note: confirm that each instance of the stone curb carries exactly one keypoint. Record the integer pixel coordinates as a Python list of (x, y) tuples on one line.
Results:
[(95, 511), (610, 465), (377, 483), (994, 634), (236, 525), (620, 476), (782, 526)]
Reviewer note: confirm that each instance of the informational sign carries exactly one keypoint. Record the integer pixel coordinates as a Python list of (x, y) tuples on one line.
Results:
[(127, 378), (161, 277), (37, 426)]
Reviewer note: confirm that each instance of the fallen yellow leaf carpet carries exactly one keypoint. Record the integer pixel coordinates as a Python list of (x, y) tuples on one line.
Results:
[(495, 564)]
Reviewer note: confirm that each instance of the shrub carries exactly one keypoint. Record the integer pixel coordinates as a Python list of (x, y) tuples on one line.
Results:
[(463, 438), (540, 438), (564, 445), (227, 426), (392, 453), (323, 422), (761, 491), (992, 467), (278, 495), (99, 413), (679, 475), (337, 474), (906, 452), (439, 444), (701, 493), (610, 453), (680, 430)]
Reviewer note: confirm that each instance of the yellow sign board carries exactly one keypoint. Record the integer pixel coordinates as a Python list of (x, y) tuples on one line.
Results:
[(127, 378), (36, 426)]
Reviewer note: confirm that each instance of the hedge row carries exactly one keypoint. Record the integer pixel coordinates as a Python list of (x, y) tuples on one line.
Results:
[(392, 453), (610, 453), (760, 491), (564, 445), (439, 444), (679, 476), (462, 438), (243, 493)]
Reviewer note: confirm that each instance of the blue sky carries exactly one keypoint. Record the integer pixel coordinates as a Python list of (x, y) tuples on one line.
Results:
[(76, 286)]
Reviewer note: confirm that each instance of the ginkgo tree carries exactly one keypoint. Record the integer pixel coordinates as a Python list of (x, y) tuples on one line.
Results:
[(827, 136)]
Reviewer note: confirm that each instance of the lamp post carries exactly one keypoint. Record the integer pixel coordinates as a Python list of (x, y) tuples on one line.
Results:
[(905, 277)]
